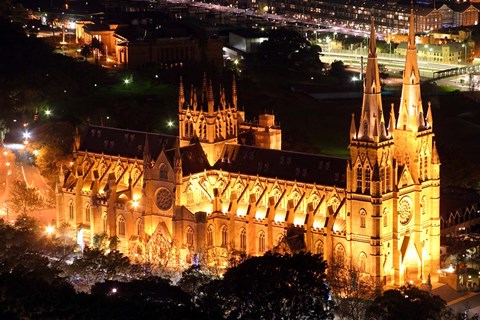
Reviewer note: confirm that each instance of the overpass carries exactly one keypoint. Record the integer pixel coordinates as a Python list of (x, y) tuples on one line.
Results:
[(458, 71), (396, 62)]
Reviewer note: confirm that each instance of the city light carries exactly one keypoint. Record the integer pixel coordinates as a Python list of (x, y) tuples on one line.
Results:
[(49, 230), (48, 112), (126, 81), (26, 135), (170, 123)]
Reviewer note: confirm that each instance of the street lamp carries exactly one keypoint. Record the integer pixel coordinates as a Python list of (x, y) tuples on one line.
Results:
[(465, 53)]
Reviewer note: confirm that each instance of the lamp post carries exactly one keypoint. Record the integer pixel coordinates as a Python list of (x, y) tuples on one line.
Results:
[(465, 53)]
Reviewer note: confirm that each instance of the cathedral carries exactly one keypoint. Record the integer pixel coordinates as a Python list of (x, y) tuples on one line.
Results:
[(224, 187)]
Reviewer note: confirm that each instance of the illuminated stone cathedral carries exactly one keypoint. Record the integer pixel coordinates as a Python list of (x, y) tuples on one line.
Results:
[(223, 186)]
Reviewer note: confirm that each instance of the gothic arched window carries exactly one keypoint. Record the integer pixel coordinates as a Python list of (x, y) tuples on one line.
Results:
[(261, 242), (87, 212), (163, 171), (359, 178), (224, 236), (189, 236), (362, 262), (340, 254), (121, 226), (243, 239), (319, 247), (363, 218), (71, 211), (104, 223), (367, 178), (210, 236)]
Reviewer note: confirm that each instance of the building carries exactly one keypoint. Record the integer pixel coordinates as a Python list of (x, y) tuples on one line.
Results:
[(136, 45), (465, 15), (450, 52), (207, 194)]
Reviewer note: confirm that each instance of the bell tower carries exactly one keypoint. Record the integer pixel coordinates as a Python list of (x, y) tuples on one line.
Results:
[(417, 195), (369, 172)]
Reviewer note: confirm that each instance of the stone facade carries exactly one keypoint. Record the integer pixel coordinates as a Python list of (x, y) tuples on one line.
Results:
[(224, 187)]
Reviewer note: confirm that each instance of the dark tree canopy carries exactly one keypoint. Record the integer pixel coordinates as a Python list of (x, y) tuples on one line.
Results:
[(408, 302), (271, 287), (286, 48)]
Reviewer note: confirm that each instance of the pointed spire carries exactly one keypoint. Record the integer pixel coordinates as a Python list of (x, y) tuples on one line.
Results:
[(210, 101), (195, 102), (383, 130), (204, 88), (391, 121), (429, 116), (191, 96), (177, 157), (353, 128), (76, 140), (372, 47), (411, 30), (421, 120), (181, 96), (234, 93), (372, 99), (435, 157), (147, 156), (411, 101), (223, 100)]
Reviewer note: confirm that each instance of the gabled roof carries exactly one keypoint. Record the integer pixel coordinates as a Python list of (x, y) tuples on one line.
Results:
[(462, 7), (123, 143), (285, 165), (193, 157)]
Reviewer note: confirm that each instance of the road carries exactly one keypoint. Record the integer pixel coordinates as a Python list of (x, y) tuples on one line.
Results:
[(14, 168)]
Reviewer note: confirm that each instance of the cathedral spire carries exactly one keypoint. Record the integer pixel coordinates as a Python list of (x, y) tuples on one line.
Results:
[(223, 101), (204, 88), (234, 93), (429, 116), (191, 96), (353, 128), (194, 102), (372, 99), (210, 101), (147, 157), (391, 121), (181, 96), (411, 102)]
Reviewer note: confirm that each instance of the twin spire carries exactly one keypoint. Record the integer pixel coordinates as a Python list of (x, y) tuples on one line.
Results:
[(411, 116), (372, 122)]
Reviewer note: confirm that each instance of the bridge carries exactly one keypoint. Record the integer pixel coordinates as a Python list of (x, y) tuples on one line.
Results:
[(458, 71)]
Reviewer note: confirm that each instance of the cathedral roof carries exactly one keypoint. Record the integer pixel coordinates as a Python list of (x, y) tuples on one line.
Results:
[(285, 165), (123, 142), (193, 158)]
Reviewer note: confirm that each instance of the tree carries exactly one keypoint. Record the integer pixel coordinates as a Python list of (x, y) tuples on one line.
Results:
[(273, 286), (52, 145), (352, 289), (150, 298), (24, 199), (408, 302), (95, 266), (337, 69), (288, 48)]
